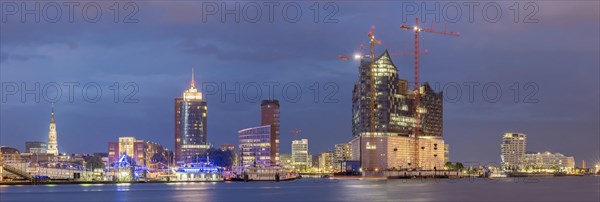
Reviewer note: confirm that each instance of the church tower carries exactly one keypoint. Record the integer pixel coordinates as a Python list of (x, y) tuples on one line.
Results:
[(52, 139)]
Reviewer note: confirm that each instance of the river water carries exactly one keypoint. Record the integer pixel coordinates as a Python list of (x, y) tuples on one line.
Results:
[(585, 188)]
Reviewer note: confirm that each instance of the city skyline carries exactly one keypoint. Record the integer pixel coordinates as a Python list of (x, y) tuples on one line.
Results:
[(473, 129)]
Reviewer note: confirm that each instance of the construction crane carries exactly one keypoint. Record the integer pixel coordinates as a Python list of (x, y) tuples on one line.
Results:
[(416, 29), (359, 56), (296, 132), (372, 42)]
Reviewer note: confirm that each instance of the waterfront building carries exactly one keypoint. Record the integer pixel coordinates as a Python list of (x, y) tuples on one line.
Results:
[(190, 125), (301, 160), (446, 152), (36, 147), (52, 136), (513, 150), (326, 161), (394, 114), (269, 115), (8, 154), (548, 161), (397, 152), (394, 111), (142, 152), (285, 161), (342, 152), (255, 146)]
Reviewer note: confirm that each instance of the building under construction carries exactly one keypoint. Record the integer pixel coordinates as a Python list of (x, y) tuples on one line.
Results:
[(394, 119)]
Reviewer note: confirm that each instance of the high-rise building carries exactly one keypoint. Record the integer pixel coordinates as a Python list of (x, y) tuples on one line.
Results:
[(36, 147), (300, 158), (255, 146), (513, 150), (394, 106), (190, 125), (548, 160), (269, 115), (393, 112), (52, 136), (142, 152)]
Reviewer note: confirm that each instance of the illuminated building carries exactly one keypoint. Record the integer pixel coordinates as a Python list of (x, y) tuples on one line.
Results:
[(300, 157), (142, 152), (255, 146), (52, 136), (286, 161), (342, 152), (36, 147), (394, 114), (326, 161), (8, 154), (547, 160), (397, 152), (269, 113), (190, 125), (513, 150)]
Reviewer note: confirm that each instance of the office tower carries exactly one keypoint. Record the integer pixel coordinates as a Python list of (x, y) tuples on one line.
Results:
[(513, 150), (269, 115), (52, 136), (255, 146), (190, 125), (300, 158)]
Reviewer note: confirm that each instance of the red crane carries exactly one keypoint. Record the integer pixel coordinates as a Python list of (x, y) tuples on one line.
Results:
[(417, 98), (296, 132)]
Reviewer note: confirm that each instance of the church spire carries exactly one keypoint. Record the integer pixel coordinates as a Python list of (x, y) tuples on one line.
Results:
[(52, 119), (52, 136)]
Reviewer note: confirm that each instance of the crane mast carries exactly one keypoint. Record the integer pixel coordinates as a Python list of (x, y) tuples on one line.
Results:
[(417, 94)]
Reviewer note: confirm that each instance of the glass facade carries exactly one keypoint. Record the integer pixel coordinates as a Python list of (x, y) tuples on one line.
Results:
[(255, 146), (190, 125), (393, 114)]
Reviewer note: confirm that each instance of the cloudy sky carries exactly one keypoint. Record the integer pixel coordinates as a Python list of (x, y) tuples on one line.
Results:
[(544, 59)]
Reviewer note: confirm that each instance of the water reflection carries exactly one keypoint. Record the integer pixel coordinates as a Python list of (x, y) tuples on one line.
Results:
[(555, 189)]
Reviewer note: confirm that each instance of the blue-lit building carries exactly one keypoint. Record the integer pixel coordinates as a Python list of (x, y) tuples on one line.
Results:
[(190, 125), (255, 146)]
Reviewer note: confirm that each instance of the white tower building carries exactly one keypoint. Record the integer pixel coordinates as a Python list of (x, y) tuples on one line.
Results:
[(52, 139)]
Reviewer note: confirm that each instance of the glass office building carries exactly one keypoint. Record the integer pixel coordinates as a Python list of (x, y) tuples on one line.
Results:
[(394, 103), (190, 125), (255, 146)]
